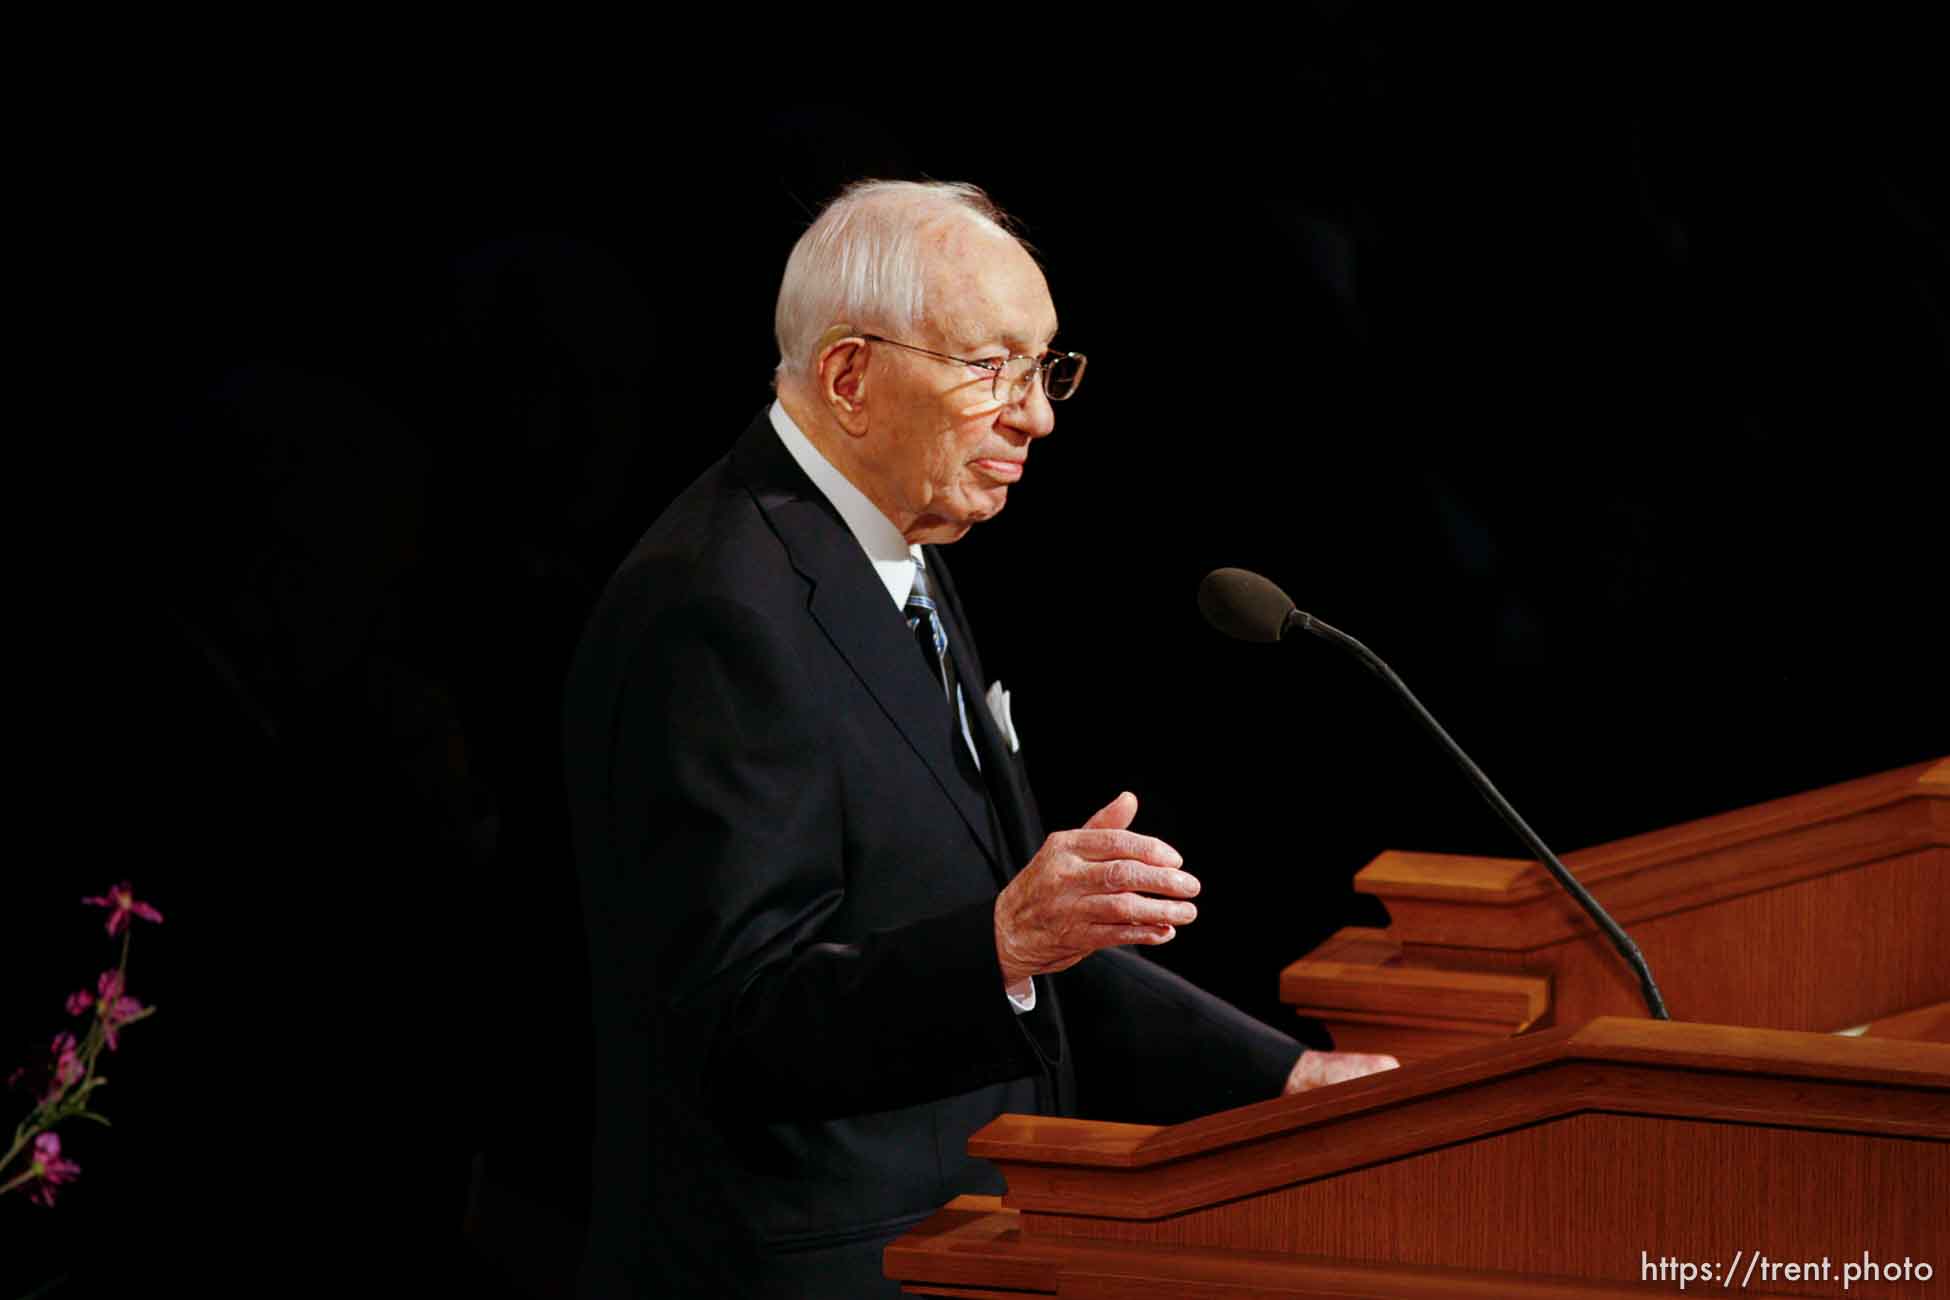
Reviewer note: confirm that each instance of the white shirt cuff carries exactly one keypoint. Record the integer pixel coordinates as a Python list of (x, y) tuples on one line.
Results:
[(1025, 1001)]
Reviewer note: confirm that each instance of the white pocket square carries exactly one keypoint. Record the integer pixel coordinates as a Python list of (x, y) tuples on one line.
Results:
[(999, 710)]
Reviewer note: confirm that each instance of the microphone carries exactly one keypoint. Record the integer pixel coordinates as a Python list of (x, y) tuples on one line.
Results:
[(1244, 605)]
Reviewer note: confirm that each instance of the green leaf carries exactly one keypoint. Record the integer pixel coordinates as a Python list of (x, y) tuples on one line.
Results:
[(99, 1119)]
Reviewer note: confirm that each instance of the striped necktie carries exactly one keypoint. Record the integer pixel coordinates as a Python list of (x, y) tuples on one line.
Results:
[(924, 621)]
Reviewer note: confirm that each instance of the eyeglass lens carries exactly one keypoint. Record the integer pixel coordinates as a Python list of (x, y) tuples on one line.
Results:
[(1059, 379)]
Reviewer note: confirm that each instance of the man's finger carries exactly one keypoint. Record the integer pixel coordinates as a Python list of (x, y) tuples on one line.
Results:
[(1317, 1069), (1128, 876), (1135, 909), (1115, 815), (1116, 936), (1102, 845)]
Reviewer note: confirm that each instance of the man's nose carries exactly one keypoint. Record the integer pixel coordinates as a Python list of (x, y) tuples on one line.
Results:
[(1033, 415)]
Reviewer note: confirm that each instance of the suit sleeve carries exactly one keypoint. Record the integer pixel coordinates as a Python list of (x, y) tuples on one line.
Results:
[(1153, 1048), (733, 851)]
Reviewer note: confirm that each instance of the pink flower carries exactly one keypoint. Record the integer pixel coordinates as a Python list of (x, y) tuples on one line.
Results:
[(123, 902), (79, 1001), (67, 1069), (113, 1006), (62, 1069), (50, 1168)]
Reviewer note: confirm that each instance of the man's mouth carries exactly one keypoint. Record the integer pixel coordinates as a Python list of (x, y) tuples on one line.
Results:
[(998, 467)]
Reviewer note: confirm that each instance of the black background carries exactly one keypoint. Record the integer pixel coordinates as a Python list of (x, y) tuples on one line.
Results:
[(1607, 404)]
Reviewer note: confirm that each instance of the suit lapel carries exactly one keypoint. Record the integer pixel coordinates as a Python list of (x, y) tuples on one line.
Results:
[(1016, 821), (1000, 770), (850, 605)]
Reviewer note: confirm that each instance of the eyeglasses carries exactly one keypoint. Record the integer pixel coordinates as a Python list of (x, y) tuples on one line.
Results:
[(1061, 371)]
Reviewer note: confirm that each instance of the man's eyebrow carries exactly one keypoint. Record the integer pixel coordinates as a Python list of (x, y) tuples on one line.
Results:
[(1018, 343), (966, 336), (969, 336)]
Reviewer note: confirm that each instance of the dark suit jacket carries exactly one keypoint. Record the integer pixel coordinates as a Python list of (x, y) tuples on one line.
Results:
[(790, 883)]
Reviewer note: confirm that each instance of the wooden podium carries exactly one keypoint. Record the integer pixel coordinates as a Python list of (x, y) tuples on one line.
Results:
[(1826, 911), (1532, 1144)]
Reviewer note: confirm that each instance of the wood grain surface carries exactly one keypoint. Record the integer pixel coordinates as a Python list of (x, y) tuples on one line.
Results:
[(1568, 1159), (1823, 912), (974, 1247), (1544, 1138)]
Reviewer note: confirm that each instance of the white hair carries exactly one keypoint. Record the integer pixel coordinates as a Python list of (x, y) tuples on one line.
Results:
[(860, 263)]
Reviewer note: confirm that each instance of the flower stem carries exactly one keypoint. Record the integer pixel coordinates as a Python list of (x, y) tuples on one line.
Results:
[(60, 1104), (20, 1142)]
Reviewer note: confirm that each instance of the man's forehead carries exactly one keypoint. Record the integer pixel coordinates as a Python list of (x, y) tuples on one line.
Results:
[(984, 289), (971, 334)]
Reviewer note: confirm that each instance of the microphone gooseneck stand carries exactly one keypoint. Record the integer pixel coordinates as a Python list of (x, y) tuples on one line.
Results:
[(1491, 795)]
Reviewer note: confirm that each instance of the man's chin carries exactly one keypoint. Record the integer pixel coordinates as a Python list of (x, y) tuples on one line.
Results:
[(987, 503), (938, 533), (937, 530)]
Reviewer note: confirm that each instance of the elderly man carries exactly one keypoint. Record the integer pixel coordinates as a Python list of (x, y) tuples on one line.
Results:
[(829, 937)]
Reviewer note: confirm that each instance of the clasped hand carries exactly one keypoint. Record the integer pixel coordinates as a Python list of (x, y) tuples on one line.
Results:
[(1089, 889)]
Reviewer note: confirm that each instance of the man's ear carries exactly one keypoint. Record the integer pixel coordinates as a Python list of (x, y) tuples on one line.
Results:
[(841, 365)]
